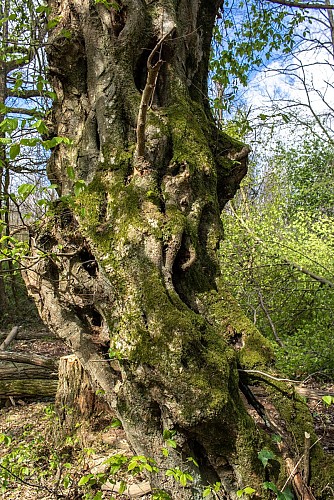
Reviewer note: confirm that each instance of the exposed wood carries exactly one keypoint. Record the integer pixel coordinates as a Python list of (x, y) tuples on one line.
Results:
[(312, 393), (76, 397), (133, 490), (10, 337), (312, 275), (31, 359), (306, 476), (21, 388), (302, 490)]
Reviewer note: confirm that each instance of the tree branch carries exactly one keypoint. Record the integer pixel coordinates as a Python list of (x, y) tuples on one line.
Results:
[(23, 94), (322, 280), (152, 75), (22, 111), (10, 337), (272, 326), (301, 5)]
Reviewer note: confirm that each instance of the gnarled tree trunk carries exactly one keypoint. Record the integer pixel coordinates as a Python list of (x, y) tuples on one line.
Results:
[(137, 268)]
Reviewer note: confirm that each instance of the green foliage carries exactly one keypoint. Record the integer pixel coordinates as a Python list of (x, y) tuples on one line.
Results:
[(247, 35), (280, 495), (265, 456), (278, 255), (180, 476), (212, 489), (246, 491), (328, 400)]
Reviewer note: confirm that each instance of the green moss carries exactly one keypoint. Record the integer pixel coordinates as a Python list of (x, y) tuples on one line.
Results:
[(296, 415)]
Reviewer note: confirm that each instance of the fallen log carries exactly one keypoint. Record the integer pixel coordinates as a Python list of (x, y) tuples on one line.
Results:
[(23, 388), (30, 359), (20, 371)]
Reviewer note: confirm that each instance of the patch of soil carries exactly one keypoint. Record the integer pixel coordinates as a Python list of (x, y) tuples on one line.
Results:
[(49, 348)]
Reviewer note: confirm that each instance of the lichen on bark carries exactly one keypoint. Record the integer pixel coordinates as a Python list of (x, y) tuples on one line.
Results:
[(138, 267)]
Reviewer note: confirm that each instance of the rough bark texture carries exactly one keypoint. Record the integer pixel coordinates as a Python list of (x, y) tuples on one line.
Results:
[(76, 399), (138, 266), (21, 388)]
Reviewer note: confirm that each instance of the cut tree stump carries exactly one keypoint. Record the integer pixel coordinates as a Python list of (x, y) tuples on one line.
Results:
[(76, 399)]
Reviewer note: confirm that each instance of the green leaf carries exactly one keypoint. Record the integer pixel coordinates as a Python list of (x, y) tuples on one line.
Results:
[(85, 479), (248, 490), (165, 452), (171, 443), (26, 189), (71, 173), (265, 456), (122, 487), (9, 125), (14, 151), (268, 485), (30, 142), (40, 125), (183, 479), (116, 423), (191, 459), (328, 400), (5, 140), (79, 187), (53, 22), (207, 492)]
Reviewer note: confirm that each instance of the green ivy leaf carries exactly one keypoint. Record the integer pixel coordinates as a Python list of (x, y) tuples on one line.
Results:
[(265, 456)]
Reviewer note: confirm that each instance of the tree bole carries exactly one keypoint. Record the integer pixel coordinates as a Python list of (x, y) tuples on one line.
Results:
[(141, 239)]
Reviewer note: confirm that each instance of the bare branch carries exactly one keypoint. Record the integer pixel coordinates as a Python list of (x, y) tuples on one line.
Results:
[(10, 337), (302, 5), (322, 280), (271, 323), (152, 75), (22, 111)]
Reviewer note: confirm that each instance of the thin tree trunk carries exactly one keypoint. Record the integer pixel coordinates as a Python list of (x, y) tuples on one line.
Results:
[(3, 77)]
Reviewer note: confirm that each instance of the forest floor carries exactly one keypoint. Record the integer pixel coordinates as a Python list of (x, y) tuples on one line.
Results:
[(46, 464)]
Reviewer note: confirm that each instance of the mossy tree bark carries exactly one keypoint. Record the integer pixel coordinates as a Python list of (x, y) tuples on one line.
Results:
[(137, 268)]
